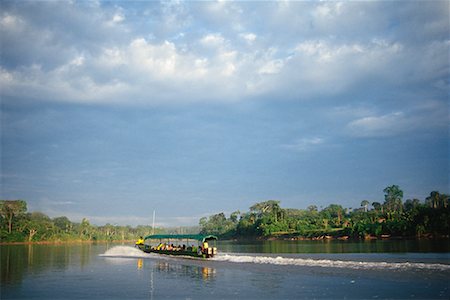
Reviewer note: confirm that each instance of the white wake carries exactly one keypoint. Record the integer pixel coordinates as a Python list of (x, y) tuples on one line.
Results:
[(326, 263), (124, 251), (131, 252)]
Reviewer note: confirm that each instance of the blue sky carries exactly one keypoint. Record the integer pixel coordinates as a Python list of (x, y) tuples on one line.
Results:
[(110, 110)]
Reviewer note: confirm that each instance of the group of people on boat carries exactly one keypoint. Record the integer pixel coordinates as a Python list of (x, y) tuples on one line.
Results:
[(171, 247)]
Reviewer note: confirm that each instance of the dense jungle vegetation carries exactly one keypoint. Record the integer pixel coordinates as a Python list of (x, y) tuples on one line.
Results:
[(393, 217), (18, 225)]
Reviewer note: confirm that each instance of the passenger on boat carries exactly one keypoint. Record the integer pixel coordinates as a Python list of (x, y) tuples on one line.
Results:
[(140, 242)]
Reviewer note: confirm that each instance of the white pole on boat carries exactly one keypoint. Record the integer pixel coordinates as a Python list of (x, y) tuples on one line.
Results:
[(153, 225)]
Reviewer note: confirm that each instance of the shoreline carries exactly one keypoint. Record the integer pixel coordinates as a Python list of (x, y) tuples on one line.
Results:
[(349, 238), (320, 238), (66, 242)]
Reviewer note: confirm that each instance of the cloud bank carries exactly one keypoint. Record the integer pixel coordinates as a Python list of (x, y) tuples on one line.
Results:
[(151, 53)]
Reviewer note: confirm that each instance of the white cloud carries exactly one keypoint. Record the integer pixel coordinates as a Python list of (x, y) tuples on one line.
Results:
[(118, 18), (61, 84), (248, 37), (422, 116), (384, 125), (305, 144), (77, 61), (328, 10), (325, 52), (272, 67), (111, 57), (11, 22), (166, 71), (277, 58), (213, 40), (162, 60), (327, 67)]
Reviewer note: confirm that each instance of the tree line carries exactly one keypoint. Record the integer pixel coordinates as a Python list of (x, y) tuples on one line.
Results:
[(393, 217), (18, 225)]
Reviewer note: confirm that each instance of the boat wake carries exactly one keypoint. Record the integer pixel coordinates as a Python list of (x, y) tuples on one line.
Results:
[(131, 252), (326, 263), (124, 251)]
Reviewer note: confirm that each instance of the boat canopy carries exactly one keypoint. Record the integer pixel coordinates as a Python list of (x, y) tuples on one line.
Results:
[(198, 237)]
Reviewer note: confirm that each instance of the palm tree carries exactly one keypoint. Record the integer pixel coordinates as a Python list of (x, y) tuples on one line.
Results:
[(393, 198), (365, 203), (437, 200)]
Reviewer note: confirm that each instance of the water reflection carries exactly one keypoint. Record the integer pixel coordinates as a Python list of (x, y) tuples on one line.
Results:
[(196, 272), (336, 246), (140, 263), (18, 260), (174, 272)]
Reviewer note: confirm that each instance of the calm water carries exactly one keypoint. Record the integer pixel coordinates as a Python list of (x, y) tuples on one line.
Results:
[(252, 270)]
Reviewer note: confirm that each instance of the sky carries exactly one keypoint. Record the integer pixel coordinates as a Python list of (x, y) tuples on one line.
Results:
[(113, 110)]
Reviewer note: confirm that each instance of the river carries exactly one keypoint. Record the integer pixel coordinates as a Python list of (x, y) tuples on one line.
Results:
[(243, 270)]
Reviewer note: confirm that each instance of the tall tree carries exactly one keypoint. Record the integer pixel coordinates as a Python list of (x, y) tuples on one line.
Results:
[(85, 228), (333, 211), (433, 199), (9, 209), (266, 206), (234, 216), (365, 204), (63, 224), (411, 205), (312, 208), (393, 198), (38, 223), (270, 207), (437, 200)]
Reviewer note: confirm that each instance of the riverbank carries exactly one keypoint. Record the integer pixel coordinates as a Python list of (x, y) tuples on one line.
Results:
[(281, 237), (346, 237), (328, 236), (131, 242)]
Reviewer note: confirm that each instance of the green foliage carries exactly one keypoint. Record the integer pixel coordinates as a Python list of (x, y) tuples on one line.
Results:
[(436, 200), (11, 209), (264, 219), (219, 225), (393, 217), (36, 226), (393, 198)]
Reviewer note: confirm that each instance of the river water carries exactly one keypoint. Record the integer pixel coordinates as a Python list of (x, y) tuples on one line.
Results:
[(242, 270)]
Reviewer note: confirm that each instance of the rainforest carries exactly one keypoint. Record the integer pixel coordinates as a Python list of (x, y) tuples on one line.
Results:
[(391, 218)]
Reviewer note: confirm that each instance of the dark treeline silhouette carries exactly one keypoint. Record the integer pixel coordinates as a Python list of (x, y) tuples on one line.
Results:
[(391, 218)]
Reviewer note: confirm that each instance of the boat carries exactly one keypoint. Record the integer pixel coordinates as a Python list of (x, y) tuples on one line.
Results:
[(193, 245)]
